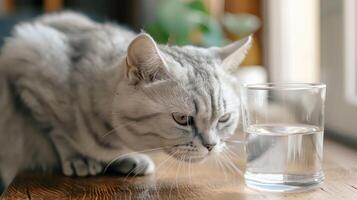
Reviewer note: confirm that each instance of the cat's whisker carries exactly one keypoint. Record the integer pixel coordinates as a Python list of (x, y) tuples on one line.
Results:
[(143, 167), (109, 132), (232, 152), (170, 190), (189, 169), (231, 164), (185, 166), (167, 159), (221, 166), (132, 171), (170, 162), (178, 172), (136, 152), (239, 171), (224, 167), (170, 166), (188, 164), (228, 167), (227, 164), (173, 160), (215, 159), (224, 164), (226, 161), (229, 159), (234, 141)]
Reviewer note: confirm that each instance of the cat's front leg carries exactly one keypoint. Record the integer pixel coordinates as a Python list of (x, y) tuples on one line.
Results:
[(136, 165), (73, 163), (8, 171)]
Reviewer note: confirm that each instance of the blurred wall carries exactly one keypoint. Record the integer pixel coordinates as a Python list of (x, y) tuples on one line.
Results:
[(341, 114), (291, 36)]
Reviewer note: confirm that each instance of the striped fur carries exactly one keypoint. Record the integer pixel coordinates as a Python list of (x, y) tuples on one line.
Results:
[(75, 94)]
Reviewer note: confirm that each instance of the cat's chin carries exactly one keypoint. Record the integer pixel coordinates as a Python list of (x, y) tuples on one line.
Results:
[(186, 157), (194, 159)]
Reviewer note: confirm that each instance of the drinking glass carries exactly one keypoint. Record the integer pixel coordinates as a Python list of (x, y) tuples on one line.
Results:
[(283, 126)]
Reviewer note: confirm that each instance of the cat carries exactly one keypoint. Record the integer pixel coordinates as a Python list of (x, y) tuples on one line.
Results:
[(76, 94)]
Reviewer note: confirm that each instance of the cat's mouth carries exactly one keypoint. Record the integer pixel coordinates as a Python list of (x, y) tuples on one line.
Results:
[(189, 152)]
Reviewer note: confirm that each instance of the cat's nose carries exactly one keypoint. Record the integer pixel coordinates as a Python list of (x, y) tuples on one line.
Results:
[(209, 146)]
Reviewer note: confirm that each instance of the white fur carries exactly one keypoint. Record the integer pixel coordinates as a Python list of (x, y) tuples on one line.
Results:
[(68, 99)]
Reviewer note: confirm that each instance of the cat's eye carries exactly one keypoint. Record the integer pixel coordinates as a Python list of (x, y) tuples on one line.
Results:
[(182, 119), (224, 118)]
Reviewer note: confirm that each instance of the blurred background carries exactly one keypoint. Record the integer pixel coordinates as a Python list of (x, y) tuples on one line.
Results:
[(294, 40)]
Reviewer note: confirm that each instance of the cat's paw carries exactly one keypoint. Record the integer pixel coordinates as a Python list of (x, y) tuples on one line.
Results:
[(136, 165), (79, 166)]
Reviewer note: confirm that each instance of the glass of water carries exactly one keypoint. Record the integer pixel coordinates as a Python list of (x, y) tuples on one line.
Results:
[(283, 125)]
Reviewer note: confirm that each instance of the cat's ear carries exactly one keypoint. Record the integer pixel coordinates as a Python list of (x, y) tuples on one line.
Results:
[(233, 54), (144, 61)]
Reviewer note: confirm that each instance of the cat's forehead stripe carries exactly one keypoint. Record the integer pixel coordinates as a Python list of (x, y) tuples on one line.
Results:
[(186, 56), (213, 103), (196, 106), (203, 79), (208, 96)]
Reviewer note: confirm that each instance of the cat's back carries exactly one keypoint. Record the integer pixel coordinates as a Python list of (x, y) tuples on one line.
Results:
[(48, 59), (63, 40)]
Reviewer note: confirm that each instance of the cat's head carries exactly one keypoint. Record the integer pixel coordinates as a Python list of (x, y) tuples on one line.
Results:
[(180, 98)]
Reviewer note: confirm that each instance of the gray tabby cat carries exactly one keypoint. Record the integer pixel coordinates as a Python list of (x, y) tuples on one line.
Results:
[(76, 94)]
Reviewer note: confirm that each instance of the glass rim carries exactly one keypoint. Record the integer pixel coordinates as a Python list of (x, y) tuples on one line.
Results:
[(284, 86)]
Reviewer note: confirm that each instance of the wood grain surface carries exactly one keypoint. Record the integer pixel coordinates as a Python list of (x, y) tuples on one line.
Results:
[(176, 180)]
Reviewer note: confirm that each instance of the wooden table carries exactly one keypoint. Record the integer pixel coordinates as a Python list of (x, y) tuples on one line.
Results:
[(174, 180)]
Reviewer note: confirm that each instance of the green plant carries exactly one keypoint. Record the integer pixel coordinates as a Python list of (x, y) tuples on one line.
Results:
[(190, 23)]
